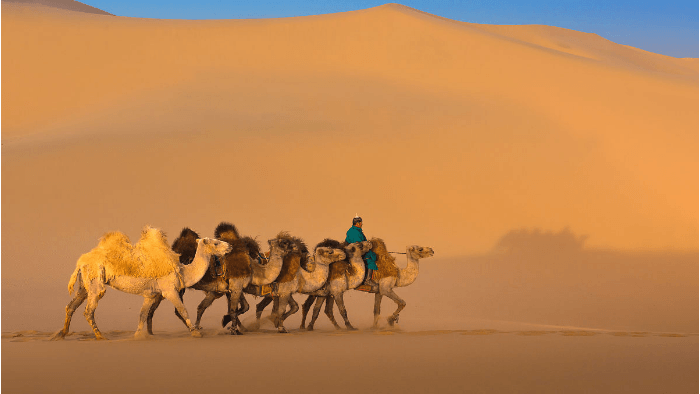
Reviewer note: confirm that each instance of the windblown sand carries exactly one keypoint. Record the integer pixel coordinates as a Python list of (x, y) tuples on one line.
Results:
[(554, 173)]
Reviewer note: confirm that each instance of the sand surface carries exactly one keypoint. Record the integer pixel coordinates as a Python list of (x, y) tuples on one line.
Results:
[(476, 361), (554, 173)]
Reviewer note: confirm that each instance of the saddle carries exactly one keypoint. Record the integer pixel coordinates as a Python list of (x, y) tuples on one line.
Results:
[(370, 287), (262, 291), (218, 268)]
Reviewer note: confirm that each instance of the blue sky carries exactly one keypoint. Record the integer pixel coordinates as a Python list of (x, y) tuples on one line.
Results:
[(666, 27)]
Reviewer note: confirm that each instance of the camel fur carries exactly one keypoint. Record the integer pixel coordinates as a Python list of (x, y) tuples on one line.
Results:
[(305, 280), (240, 268), (344, 276), (149, 268), (389, 276)]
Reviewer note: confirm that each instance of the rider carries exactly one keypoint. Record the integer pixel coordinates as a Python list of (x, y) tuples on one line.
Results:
[(355, 234)]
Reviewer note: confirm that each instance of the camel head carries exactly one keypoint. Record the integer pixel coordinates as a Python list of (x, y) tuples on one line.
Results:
[(284, 244), (214, 246), (324, 255), (419, 252), (358, 248)]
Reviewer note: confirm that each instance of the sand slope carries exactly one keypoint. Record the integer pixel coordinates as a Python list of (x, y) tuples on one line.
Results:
[(482, 142), (70, 5)]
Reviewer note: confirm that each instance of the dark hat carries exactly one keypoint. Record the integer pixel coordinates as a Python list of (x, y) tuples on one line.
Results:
[(356, 220)]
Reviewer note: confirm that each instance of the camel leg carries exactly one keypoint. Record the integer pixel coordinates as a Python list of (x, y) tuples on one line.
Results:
[(174, 298), (233, 300), (329, 312), (343, 312), (80, 296), (281, 306), (377, 309), (181, 293), (244, 307), (96, 291), (293, 308), (209, 298), (317, 310), (305, 310), (149, 320), (261, 306), (148, 302), (401, 304)]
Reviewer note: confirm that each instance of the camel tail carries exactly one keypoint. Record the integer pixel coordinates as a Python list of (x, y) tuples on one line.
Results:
[(73, 279)]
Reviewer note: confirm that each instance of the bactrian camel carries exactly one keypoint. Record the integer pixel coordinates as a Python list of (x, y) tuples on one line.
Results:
[(344, 276), (292, 279), (388, 276), (239, 268), (148, 268)]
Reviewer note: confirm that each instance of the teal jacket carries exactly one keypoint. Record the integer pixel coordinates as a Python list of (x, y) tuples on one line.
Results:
[(355, 234)]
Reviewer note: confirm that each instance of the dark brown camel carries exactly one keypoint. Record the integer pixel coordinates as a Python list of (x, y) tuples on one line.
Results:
[(234, 271)]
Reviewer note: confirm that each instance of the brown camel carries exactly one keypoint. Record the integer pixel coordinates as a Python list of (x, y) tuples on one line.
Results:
[(293, 280), (344, 275), (234, 271), (388, 276)]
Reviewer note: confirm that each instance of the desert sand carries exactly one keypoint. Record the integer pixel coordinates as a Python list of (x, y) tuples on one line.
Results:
[(554, 173)]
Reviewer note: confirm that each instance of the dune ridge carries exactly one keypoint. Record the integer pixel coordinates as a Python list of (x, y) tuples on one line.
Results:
[(70, 5)]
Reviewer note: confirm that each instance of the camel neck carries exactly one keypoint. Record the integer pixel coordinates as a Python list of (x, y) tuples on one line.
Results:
[(313, 280), (265, 274), (358, 270), (409, 274), (193, 272)]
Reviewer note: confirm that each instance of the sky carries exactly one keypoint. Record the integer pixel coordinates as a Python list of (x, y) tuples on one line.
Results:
[(665, 27)]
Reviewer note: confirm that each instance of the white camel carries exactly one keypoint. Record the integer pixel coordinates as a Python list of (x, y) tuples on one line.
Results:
[(148, 268)]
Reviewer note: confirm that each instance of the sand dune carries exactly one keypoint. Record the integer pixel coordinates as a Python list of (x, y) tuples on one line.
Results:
[(70, 5), (482, 142)]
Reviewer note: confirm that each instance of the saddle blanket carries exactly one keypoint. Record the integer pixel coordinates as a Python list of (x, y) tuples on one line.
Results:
[(262, 291)]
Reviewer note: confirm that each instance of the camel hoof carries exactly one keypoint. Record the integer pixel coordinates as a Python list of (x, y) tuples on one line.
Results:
[(196, 334), (234, 331), (100, 338), (392, 319), (140, 335), (349, 327), (310, 328), (57, 336), (282, 330)]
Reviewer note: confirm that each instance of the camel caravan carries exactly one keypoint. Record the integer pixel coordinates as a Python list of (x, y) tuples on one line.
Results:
[(233, 265)]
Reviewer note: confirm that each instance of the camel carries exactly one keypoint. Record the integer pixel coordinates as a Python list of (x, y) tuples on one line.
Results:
[(293, 280), (343, 277), (148, 268), (240, 267), (388, 276)]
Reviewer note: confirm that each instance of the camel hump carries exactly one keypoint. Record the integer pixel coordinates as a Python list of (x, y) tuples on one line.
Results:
[(329, 243), (114, 239), (252, 246), (186, 245), (188, 233), (386, 263), (152, 256), (338, 270), (226, 232)]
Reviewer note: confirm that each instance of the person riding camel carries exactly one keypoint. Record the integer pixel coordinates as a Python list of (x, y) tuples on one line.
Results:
[(355, 234)]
